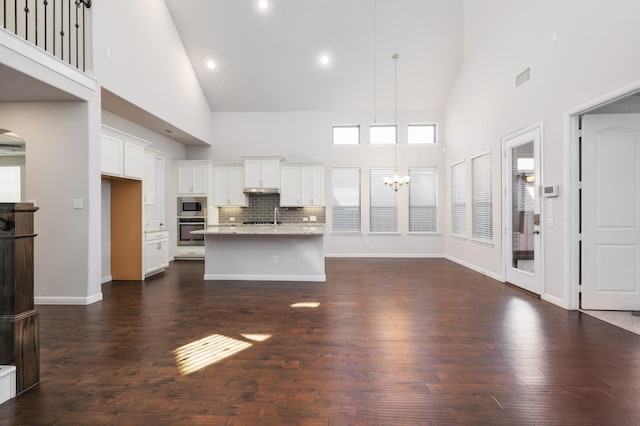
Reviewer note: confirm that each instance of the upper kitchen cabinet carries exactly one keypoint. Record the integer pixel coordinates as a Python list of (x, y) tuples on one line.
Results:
[(302, 185), (312, 185), (192, 178), (122, 154), (229, 186), (262, 174)]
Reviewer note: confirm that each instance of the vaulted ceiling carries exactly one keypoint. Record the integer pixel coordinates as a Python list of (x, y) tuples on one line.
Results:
[(268, 60)]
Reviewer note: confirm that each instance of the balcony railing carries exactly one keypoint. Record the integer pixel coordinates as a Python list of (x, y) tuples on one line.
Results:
[(57, 26)]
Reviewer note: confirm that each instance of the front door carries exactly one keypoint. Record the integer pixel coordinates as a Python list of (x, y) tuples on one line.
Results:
[(610, 255), (522, 210)]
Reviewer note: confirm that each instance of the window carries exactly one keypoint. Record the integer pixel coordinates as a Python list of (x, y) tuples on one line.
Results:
[(345, 184), (346, 135), (382, 134), (383, 209), (10, 184), (421, 133), (482, 206), (423, 196), (458, 200)]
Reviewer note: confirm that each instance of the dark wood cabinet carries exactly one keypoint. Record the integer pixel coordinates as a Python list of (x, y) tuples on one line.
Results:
[(19, 321)]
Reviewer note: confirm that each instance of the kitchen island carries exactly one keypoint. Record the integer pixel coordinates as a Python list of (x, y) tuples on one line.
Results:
[(264, 252)]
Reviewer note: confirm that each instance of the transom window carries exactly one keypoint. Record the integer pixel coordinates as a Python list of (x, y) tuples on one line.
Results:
[(346, 135), (421, 133), (382, 134)]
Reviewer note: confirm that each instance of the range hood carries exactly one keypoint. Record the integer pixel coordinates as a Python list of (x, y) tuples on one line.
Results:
[(260, 190)]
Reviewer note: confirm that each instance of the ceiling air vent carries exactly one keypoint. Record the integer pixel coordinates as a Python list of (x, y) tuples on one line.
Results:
[(523, 77)]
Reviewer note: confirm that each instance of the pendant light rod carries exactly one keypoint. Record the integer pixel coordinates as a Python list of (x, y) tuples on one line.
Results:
[(396, 182), (375, 61)]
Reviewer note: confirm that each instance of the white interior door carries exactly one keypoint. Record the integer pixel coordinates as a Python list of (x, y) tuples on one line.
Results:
[(522, 210), (610, 255)]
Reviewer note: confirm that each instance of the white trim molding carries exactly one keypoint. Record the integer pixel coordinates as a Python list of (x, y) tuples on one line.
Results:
[(242, 277), (389, 255), (47, 300), (476, 268)]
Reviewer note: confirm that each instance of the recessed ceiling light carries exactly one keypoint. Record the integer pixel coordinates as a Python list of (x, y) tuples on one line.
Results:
[(211, 65), (263, 4), (324, 60)]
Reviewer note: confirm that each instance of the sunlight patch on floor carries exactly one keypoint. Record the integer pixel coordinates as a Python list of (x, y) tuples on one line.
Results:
[(256, 337), (305, 305), (202, 353)]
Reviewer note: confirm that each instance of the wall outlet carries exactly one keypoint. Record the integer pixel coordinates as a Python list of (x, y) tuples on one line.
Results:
[(232, 219), (312, 218), (275, 259), (305, 219)]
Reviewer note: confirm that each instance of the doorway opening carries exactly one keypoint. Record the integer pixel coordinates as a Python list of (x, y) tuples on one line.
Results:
[(604, 184), (12, 167)]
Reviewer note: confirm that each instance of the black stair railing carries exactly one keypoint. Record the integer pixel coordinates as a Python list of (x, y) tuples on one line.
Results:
[(57, 26)]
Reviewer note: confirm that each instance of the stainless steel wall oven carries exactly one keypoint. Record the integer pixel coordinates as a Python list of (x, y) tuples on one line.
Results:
[(188, 224)]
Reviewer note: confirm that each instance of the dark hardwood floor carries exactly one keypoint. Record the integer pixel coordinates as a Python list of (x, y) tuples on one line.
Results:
[(393, 341)]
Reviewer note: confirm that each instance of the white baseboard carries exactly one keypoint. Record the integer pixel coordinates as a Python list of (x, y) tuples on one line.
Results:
[(476, 268), (68, 300), (239, 277), (106, 279), (389, 255), (555, 300)]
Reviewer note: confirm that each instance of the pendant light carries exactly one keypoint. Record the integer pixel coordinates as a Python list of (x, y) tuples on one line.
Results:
[(396, 181)]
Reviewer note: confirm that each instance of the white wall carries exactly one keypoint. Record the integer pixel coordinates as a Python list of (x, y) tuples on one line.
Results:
[(167, 148), (138, 55), (58, 160), (596, 52), (307, 136)]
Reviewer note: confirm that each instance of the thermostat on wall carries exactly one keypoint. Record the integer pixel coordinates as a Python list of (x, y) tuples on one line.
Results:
[(550, 191)]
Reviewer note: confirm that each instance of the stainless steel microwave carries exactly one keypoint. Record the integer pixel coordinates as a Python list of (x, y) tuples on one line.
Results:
[(192, 206)]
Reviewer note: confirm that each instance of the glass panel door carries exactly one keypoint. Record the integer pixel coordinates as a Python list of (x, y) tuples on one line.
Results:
[(523, 209), (521, 214)]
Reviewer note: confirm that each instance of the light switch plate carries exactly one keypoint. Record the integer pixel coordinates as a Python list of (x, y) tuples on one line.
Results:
[(78, 203)]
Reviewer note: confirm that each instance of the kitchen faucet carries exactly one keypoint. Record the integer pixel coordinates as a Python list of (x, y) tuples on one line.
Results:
[(275, 216)]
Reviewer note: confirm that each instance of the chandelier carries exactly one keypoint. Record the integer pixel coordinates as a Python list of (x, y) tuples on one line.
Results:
[(396, 181)]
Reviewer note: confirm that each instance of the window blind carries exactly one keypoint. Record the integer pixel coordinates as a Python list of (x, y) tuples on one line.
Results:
[(423, 196), (482, 204), (383, 209), (458, 200), (345, 184)]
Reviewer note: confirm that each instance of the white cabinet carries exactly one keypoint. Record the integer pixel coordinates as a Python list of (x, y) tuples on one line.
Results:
[(133, 160), (112, 158), (229, 185), (302, 185), (290, 187), (156, 253), (312, 185), (262, 173), (149, 180), (192, 179), (122, 155)]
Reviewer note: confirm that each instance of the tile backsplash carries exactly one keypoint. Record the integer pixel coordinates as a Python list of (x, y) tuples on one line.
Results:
[(261, 207)]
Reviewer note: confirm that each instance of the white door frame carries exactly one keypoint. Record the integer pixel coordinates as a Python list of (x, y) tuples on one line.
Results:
[(572, 190), (505, 232)]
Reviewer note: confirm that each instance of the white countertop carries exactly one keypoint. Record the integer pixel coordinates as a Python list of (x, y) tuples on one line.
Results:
[(283, 229)]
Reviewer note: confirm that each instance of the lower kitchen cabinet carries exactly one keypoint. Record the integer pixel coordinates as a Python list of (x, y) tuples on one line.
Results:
[(156, 253)]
